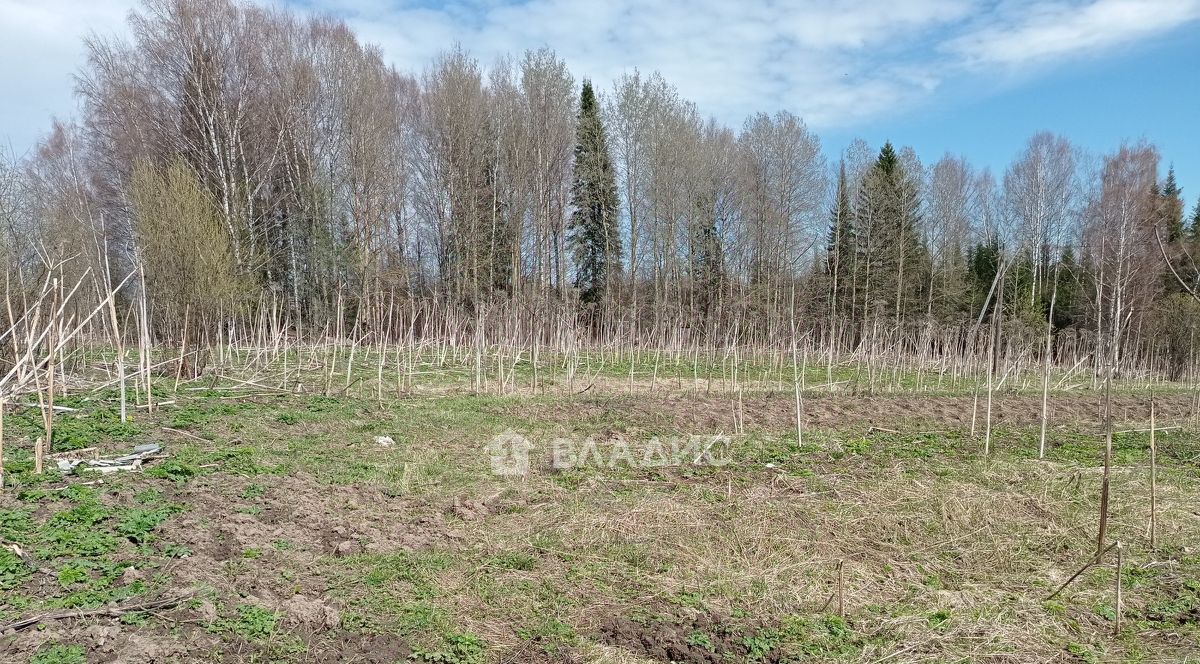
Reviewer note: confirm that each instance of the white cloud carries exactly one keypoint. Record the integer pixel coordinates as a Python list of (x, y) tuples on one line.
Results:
[(835, 63), (40, 49), (1028, 33), (823, 59)]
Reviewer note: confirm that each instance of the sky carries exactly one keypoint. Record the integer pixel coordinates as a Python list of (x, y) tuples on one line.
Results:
[(970, 77)]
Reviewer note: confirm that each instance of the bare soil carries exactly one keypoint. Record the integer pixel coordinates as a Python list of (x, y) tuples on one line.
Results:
[(701, 639), (776, 411)]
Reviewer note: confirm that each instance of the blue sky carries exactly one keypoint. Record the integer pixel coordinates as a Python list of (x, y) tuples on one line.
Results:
[(972, 77), (1149, 90)]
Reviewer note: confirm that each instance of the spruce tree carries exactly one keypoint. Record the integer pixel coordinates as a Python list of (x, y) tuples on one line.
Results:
[(1194, 231), (709, 266), (839, 261), (594, 232), (1169, 222), (1069, 292), (896, 258), (1172, 207)]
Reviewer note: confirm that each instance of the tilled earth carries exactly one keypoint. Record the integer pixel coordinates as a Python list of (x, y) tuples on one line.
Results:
[(418, 554)]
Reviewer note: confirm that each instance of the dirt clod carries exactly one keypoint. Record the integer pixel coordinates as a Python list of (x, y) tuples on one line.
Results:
[(704, 639), (312, 612), (346, 548)]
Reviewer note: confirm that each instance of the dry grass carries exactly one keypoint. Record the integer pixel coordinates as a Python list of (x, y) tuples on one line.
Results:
[(983, 543), (947, 556)]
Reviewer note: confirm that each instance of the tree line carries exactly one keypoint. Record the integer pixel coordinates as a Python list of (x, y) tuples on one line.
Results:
[(239, 157)]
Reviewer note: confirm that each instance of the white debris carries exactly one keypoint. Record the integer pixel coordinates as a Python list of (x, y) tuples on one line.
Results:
[(384, 441), (131, 461)]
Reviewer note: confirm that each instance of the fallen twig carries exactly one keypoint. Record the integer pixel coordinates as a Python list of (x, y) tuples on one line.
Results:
[(22, 554), (74, 453), (57, 409), (189, 435), (107, 611), (1083, 569)]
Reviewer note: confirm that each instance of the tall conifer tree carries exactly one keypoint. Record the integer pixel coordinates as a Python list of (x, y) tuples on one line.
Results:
[(840, 249), (1172, 207), (595, 239)]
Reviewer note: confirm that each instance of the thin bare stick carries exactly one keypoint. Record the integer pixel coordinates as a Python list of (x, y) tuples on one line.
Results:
[(1117, 621), (106, 611), (1, 443), (1153, 478), (1095, 559), (841, 592)]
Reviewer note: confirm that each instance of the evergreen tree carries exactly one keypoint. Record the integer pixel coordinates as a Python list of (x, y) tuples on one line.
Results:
[(888, 217), (1171, 202), (709, 267), (1194, 230), (840, 249), (983, 263), (1070, 294), (1168, 221), (594, 233)]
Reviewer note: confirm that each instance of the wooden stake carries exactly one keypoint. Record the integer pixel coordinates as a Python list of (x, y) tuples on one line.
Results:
[(1153, 478), (1095, 559), (1, 444), (1105, 482), (48, 414), (1117, 622), (1046, 365), (841, 590), (187, 310), (796, 376)]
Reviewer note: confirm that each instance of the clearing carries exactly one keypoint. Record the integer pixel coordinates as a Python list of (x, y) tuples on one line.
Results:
[(279, 529)]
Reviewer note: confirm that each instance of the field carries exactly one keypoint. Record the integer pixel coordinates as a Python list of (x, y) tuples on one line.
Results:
[(280, 526)]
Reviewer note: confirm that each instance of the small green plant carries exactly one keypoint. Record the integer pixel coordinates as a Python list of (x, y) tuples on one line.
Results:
[(253, 491), (58, 653), (15, 524), (857, 447), (176, 551), (419, 616), (805, 638), (72, 574), (252, 623), (135, 618), (287, 418), (514, 560), (701, 640), (13, 570), (1083, 653), (551, 633), (174, 470), (689, 599), (938, 618), (456, 649), (78, 541), (137, 523), (759, 645), (151, 496)]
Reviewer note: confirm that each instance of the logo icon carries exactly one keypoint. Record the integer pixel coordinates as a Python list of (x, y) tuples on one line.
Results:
[(509, 452)]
